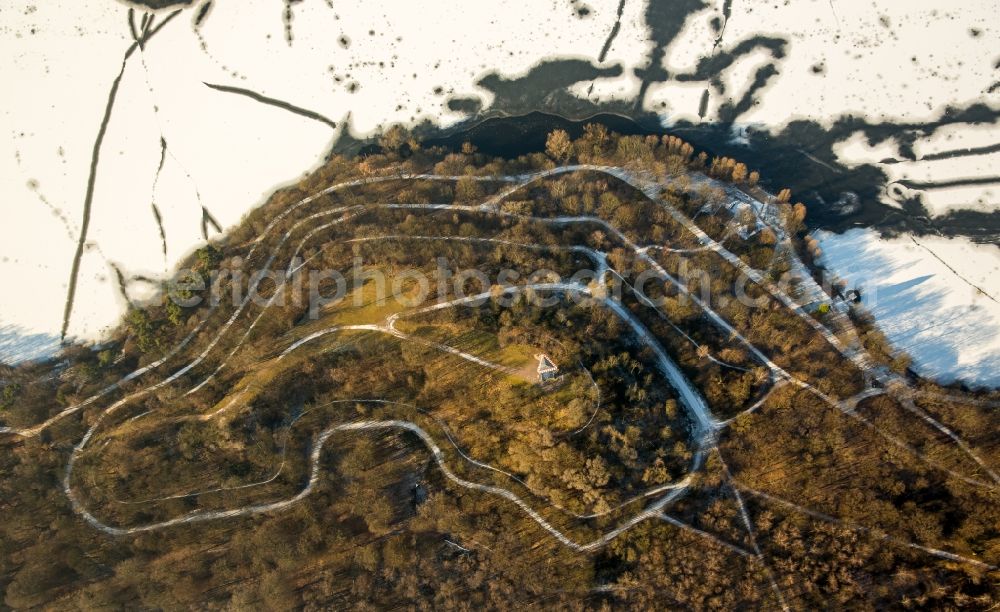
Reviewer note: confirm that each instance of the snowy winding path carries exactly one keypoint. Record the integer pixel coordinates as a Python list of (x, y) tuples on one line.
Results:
[(706, 424)]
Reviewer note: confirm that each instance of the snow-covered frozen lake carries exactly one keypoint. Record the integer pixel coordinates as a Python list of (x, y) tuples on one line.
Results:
[(228, 99), (937, 299)]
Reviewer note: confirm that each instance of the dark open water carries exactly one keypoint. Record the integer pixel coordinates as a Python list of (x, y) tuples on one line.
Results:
[(783, 161)]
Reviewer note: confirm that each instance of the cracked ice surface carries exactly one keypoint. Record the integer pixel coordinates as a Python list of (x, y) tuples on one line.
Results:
[(229, 150), (379, 63)]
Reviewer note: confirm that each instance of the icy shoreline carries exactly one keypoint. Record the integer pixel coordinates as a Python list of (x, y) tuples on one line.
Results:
[(936, 299), (198, 88)]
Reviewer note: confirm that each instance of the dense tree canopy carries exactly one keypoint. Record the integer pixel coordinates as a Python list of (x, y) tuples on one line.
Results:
[(409, 457)]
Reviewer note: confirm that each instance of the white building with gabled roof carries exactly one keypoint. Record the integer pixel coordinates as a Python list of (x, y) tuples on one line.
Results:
[(547, 369)]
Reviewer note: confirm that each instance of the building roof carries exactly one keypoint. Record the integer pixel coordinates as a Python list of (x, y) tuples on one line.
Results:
[(545, 364)]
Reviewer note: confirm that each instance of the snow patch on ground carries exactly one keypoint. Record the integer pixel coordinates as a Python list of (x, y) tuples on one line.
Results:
[(927, 307), (18, 345)]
